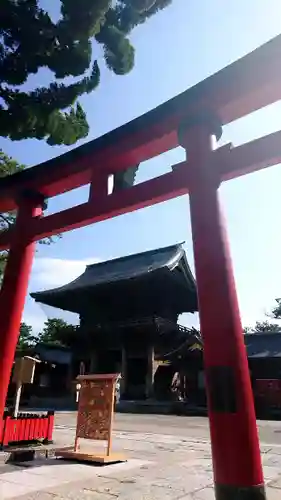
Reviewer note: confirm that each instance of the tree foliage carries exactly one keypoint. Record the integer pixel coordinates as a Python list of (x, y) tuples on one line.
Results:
[(276, 311), (57, 332), (263, 327), (8, 166), (267, 326), (30, 40), (26, 337)]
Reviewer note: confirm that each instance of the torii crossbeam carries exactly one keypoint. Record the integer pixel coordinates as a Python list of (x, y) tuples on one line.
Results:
[(191, 120)]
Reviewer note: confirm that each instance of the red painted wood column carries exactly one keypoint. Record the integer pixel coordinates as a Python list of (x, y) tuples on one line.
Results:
[(14, 287), (235, 446)]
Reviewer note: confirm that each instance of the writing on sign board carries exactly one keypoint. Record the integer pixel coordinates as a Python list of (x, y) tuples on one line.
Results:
[(95, 409)]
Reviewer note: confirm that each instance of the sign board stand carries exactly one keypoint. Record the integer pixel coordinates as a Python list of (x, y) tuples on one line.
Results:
[(95, 419)]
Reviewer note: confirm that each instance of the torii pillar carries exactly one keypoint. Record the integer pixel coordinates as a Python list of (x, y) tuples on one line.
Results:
[(14, 287), (235, 445)]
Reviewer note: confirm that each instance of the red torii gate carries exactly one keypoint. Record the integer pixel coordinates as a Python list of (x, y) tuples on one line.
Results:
[(191, 120)]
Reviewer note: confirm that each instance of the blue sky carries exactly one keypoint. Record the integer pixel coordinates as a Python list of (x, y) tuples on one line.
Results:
[(177, 48)]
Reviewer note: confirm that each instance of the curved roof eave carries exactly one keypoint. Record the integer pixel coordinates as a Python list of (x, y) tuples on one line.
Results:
[(122, 269)]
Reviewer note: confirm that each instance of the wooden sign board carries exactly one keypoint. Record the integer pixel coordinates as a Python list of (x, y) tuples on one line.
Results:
[(24, 370), (96, 407), (95, 417)]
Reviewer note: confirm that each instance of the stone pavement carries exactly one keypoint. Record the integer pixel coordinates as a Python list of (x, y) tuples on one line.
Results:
[(158, 467)]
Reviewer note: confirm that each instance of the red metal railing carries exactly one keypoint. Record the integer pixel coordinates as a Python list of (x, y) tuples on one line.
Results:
[(27, 427)]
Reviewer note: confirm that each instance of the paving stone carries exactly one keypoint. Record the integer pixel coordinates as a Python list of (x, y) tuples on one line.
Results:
[(9, 490), (169, 488), (90, 495), (186, 497), (273, 493), (185, 482), (115, 488), (199, 464), (265, 449), (78, 491), (276, 450), (154, 492), (205, 494), (62, 470), (139, 446), (271, 460), (70, 495), (39, 495), (276, 483), (166, 468), (270, 473)]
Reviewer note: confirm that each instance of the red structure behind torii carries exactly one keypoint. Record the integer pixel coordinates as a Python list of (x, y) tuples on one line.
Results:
[(191, 120)]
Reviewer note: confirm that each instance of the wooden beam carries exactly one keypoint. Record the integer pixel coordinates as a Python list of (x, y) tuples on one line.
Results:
[(148, 193), (154, 191), (231, 163), (252, 156), (246, 85)]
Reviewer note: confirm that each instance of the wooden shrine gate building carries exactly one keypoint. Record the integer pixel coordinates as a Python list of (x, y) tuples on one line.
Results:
[(128, 309)]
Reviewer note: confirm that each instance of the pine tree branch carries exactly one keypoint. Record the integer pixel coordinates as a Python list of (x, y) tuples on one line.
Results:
[(30, 40)]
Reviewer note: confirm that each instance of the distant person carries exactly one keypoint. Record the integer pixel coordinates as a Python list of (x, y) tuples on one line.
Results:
[(117, 390)]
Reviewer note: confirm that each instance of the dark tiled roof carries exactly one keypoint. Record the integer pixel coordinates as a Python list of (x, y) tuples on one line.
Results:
[(124, 269), (58, 355), (263, 345)]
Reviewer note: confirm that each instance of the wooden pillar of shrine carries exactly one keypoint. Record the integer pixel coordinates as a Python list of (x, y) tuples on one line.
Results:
[(150, 371), (93, 362), (123, 381)]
